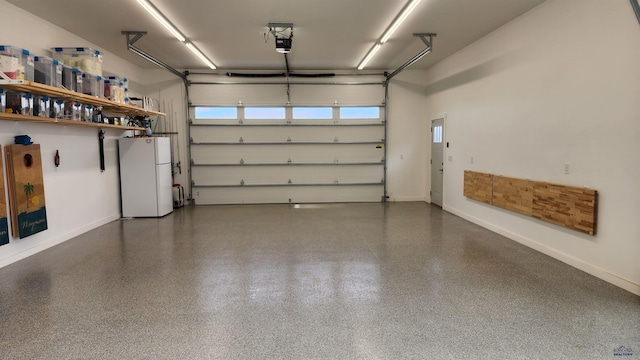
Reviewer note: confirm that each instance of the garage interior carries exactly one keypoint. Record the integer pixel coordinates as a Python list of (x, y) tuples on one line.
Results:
[(324, 149)]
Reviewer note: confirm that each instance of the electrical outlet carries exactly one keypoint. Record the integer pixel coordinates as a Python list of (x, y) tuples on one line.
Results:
[(472, 160), (566, 169)]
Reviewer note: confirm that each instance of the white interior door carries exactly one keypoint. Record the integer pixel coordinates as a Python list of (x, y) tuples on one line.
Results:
[(437, 160)]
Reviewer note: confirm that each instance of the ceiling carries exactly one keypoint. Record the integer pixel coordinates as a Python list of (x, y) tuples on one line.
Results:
[(328, 34)]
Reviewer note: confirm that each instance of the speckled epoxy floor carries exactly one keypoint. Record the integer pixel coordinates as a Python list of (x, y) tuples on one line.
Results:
[(344, 281)]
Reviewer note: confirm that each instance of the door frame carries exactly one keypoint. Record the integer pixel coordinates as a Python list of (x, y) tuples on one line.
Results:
[(442, 116)]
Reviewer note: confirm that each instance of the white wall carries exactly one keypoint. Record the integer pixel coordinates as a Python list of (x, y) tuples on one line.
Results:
[(557, 85), (408, 137), (169, 92), (79, 197)]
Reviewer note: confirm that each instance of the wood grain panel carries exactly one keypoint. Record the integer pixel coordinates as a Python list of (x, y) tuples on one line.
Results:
[(26, 189), (513, 194), (4, 227), (478, 186), (572, 207)]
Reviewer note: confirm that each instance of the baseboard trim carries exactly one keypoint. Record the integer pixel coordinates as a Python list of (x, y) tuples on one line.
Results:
[(591, 269), (56, 241)]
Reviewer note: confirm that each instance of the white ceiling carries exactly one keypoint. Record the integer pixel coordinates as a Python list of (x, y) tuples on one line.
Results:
[(328, 34)]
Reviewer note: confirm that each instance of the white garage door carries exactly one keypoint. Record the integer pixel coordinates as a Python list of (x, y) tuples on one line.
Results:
[(254, 143)]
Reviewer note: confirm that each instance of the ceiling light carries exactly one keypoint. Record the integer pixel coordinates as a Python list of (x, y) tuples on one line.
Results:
[(161, 19), (404, 13), (366, 59), (198, 53), (398, 20)]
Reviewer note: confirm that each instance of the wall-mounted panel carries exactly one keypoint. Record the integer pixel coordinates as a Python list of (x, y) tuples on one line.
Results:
[(568, 206), (4, 224), (571, 207), (513, 194), (478, 186)]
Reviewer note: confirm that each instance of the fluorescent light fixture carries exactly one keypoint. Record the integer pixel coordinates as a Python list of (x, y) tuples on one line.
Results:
[(404, 13), (398, 20), (198, 53), (161, 19), (366, 59)]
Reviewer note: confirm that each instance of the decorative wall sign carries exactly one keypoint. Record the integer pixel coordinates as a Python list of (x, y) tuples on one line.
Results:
[(26, 189), (4, 224)]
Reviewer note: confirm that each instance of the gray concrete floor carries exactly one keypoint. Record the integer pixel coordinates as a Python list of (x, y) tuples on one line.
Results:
[(343, 281)]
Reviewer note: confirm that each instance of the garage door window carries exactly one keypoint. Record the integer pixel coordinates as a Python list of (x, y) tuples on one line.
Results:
[(267, 113), (312, 113), (358, 112), (216, 112)]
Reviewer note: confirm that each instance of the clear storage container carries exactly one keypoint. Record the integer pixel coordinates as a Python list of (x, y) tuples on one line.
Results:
[(85, 58), (41, 106), (16, 63), (3, 101), (119, 84), (20, 103), (47, 71), (78, 78), (67, 77), (57, 109), (72, 110), (90, 84), (87, 113)]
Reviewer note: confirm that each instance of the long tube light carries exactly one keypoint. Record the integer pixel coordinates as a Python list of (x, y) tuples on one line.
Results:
[(370, 55), (399, 20), (402, 16), (199, 54), (169, 26), (161, 19)]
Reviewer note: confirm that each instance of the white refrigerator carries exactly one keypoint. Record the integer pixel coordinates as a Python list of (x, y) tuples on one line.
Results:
[(145, 177)]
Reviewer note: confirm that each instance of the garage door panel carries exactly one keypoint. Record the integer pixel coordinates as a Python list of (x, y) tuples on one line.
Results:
[(284, 133), (251, 175), (257, 154), (275, 195)]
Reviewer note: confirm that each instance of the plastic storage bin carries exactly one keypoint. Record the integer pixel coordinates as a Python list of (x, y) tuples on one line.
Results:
[(89, 84), (47, 71), (72, 110), (16, 63), (87, 113), (3, 101), (57, 110), (117, 86), (68, 78), (85, 58), (19, 103), (72, 78), (41, 106)]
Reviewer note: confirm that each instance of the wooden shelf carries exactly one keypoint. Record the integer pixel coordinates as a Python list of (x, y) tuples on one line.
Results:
[(38, 119), (59, 93)]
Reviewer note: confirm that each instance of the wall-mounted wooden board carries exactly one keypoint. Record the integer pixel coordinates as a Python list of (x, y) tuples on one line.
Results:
[(26, 189), (572, 207), (513, 194), (4, 223), (478, 186)]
